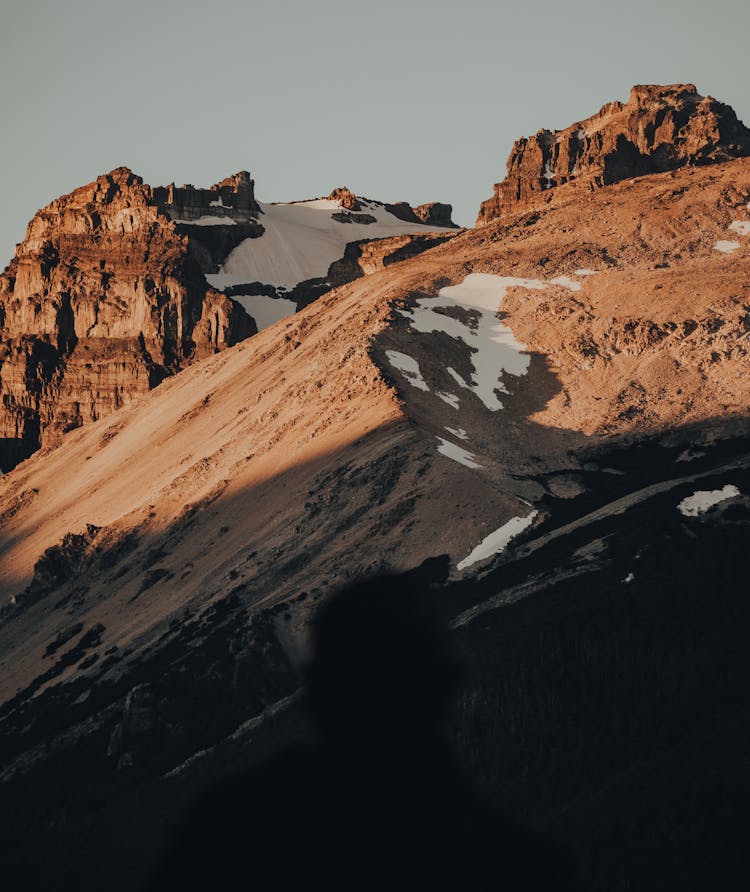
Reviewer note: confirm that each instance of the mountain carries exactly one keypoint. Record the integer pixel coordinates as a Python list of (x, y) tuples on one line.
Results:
[(553, 407), (658, 129), (119, 285)]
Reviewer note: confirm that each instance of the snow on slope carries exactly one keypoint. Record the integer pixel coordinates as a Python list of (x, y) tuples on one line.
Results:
[(495, 350), (302, 239), (703, 499), (266, 310), (498, 540), (494, 353)]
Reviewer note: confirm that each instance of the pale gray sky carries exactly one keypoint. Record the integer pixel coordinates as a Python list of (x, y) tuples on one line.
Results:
[(412, 100)]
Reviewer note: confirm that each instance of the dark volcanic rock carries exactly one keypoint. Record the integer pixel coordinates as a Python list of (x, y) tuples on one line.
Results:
[(658, 129)]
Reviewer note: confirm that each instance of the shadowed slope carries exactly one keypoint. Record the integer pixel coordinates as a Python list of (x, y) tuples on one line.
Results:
[(229, 497)]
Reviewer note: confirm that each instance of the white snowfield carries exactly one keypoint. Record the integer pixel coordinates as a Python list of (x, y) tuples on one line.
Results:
[(210, 221), (726, 247), (457, 453), (458, 432), (409, 367), (566, 282), (494, 350), (498, 541), (266, 310), (301, 240), (449, 398), (703, 499)]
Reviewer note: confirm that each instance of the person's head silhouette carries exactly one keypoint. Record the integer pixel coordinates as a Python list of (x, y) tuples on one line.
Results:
[(383, 669)]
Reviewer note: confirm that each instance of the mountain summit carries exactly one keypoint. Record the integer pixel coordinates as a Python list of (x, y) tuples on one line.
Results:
[(119, 285), (659, 128), (546, 418)]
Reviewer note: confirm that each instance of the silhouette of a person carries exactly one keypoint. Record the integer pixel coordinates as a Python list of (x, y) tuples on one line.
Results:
[(379, 802)]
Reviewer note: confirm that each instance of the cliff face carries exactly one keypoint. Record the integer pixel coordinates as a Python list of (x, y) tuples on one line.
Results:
[(658, 129), (107, 294), (233, 197), (541, 400), (102, 300)]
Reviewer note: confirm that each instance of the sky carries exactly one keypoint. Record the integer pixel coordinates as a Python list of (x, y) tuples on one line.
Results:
[(414, 100)]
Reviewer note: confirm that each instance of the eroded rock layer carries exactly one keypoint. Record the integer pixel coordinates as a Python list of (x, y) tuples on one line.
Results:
[(660, 128), (107, 294), (102, 300)]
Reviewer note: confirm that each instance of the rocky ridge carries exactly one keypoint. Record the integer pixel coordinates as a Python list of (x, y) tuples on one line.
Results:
[(107, 295), (156, 615), (659, 128), (101, 301)]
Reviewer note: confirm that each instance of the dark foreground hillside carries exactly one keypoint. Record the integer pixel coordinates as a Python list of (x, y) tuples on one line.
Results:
[(612, 714)]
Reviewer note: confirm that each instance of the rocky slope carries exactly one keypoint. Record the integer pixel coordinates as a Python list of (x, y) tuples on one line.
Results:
[(107, 294), (556, 401), (658, 129)]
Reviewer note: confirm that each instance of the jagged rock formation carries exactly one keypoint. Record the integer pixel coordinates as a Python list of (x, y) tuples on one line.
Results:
[(346, 198), (658, 129), (107, 294), (432, 214), (554, 404), (101, 301), (233, 197), (366, 257), (435, 213)]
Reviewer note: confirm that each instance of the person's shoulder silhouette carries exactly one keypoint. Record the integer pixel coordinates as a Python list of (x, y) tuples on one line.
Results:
[(378, 802)]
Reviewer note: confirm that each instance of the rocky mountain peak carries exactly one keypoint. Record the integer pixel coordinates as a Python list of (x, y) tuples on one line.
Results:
[(659, 128), (101, 301), (346, 198), (237, 181)]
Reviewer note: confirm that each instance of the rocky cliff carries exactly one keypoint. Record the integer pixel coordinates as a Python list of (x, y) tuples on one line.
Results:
[(107, 294), (556, 403), (102, 300), (660, 128)]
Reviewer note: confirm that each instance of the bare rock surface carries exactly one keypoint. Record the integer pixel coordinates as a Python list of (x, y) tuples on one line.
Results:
[(107, 295), (659, 128), (530, 402), (101, 301)]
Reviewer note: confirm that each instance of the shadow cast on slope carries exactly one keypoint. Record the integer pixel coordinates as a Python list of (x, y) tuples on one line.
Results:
[(89, 756)]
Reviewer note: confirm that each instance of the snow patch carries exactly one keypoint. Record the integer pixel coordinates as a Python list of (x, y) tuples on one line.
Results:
[(548, 176), (266, 310), (319, 204), (690, 454), (409, 367), (209, 221), (301, 241), (457, 453), (629, 578), (703, 499), (449, 398), (726, 247), (495, 351), (218, 204), (741, 227), (498, 541), (584, 272), (566, 282), (458, 432)]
